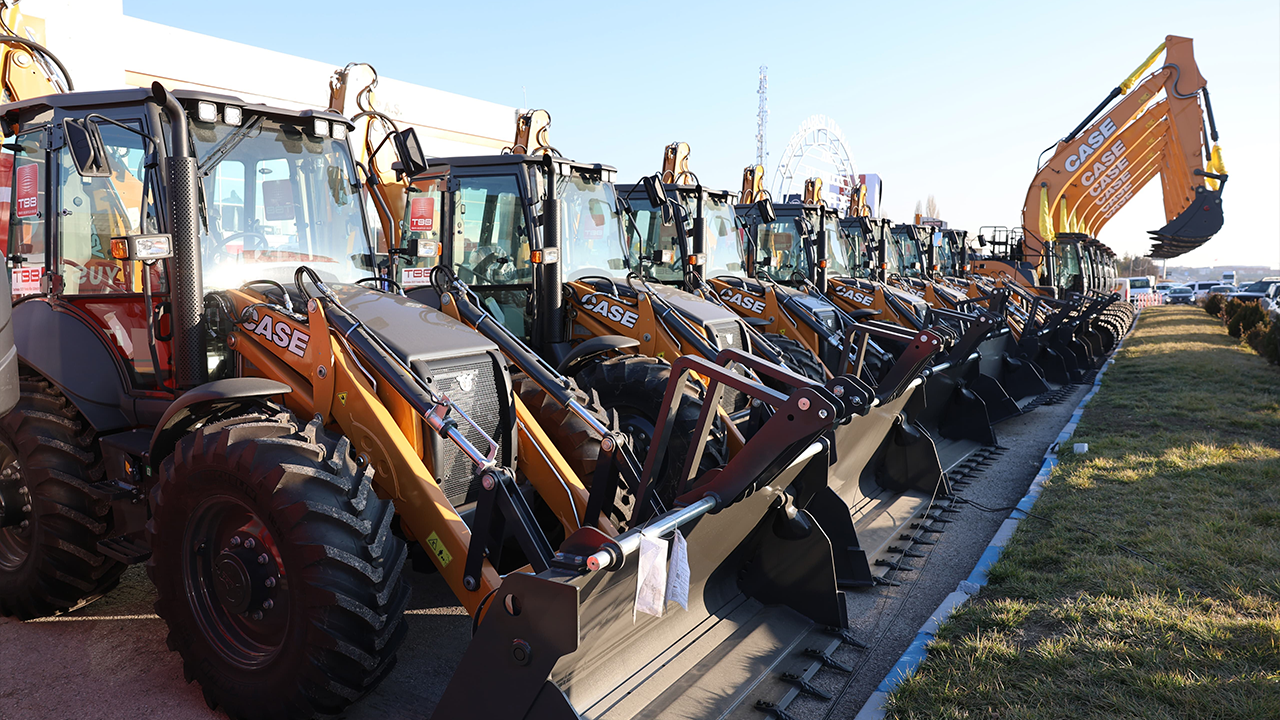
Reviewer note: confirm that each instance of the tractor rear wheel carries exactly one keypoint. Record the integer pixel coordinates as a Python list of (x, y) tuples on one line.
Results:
[(276, 568), (799, 358), (574, 439), (49, 559), (634, 387)]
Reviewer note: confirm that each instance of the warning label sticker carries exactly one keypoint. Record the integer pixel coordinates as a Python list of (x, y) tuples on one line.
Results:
[(437, 547)]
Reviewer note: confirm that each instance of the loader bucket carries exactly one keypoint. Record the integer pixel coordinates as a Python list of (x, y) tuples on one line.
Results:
[(885, 473), (566, 644), (953, 414), (1018, 375)]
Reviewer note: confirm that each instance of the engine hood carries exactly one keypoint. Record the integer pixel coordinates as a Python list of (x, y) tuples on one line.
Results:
[(699, 310), (414, 331)]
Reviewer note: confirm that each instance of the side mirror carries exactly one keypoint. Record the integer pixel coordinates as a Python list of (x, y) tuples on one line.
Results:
[(764, 206), (412, 160), (88, 152), (654, 190), (982, 241)]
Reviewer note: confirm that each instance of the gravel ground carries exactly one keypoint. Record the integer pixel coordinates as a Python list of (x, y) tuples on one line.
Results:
[(109, 660)]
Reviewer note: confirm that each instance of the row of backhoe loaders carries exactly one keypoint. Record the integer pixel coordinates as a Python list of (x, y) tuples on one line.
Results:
[(266, 352)]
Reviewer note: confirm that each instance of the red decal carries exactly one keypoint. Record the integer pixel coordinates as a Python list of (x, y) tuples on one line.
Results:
[(422, 214), (28, 186)]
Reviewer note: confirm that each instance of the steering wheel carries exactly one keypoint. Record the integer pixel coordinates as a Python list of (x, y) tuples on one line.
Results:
[(220, 245)]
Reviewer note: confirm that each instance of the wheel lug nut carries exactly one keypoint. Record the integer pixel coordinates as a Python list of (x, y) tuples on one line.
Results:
[(269, 582), (268, 604), (257, 615), (23, 525), (262, 559), (249, 543), (26, 508), (235, 541)]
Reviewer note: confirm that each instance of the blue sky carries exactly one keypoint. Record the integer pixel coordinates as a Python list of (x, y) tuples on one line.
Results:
[(951, 99)]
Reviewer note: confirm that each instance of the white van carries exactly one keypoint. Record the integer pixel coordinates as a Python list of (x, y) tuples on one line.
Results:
[(1131, 287), (1228, 278)]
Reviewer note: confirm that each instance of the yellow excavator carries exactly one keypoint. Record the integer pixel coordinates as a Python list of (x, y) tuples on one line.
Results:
[(1161, 124)]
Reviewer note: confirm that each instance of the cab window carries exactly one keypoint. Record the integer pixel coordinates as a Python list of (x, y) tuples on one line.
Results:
[(491, 246), (91, 211), (23, 207)]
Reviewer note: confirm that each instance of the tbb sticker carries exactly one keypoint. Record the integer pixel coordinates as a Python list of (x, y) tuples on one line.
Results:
[(422, 214), (26, 204)]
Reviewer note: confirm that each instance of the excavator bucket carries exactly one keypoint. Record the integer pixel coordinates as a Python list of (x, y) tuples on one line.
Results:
[(569, 643), (1192, 227)]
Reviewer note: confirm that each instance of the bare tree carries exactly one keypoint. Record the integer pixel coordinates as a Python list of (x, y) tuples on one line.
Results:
[(1138, 266), (931, 207)]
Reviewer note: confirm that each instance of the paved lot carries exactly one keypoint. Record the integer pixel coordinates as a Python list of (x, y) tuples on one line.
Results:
[(108, 661)]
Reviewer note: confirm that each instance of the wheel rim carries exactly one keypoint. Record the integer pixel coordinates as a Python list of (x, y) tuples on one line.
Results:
[(15, 541), (235, 582)]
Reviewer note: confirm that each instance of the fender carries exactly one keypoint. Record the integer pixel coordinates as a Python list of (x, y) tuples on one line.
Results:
[(43, 332), (587, 350), (196, 405)]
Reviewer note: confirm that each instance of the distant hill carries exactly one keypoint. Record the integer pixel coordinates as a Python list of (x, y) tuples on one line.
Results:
[(1244, 273)]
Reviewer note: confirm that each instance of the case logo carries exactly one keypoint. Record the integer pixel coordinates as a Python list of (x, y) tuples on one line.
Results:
[(743, 301), (614, 311), (282, 334)]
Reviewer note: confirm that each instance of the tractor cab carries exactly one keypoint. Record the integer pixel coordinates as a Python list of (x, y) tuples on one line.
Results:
[(88, 234)]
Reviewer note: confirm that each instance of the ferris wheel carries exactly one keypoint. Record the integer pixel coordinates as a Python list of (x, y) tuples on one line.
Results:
[(817, 149)]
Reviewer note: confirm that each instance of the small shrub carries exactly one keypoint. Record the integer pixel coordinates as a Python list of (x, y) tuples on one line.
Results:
[(1256, 337), (1229, 308), (1213, 304), (1244, 318), (1270, 343)]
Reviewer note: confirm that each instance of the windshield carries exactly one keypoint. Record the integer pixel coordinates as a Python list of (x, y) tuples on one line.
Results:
[(844, 251), (946, 260), (1069, 264), (1180, 291), (722, 238), (904, 254), (652, 240), (781, 249), (278, 196), (590, 228), (855, 257), (1139, 284)]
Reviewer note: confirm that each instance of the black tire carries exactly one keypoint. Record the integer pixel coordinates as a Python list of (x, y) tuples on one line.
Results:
[(799, 358), (323, 555), (48, 458), (634, 386), (576, 441)]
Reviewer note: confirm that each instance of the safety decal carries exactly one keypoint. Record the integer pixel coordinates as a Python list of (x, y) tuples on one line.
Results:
[(437, 547)]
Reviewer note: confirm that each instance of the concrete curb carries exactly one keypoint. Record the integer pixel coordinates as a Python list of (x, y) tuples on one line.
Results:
[(906, 666)]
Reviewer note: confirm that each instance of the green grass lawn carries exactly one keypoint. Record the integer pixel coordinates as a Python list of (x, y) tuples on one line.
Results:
[(1183, 467)]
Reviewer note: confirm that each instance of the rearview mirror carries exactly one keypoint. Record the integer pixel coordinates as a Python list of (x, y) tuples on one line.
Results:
[(654, 191), (412, 160), (142, 247), (764, 206), (88, 152)]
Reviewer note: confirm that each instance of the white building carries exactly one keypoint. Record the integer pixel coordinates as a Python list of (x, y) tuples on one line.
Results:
[(447, 124)]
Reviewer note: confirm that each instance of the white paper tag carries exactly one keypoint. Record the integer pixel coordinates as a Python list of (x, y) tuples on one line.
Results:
[(678, 574), (651, 581)]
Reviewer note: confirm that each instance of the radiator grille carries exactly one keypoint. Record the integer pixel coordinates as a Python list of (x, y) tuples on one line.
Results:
[(728, 335), (471, 384)]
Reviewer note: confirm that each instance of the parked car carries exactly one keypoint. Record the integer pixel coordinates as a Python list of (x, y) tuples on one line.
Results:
[(1165, 286), (1222, 289), (1271, 303), (1180, 296), (1256, 290), (1202, 287)]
